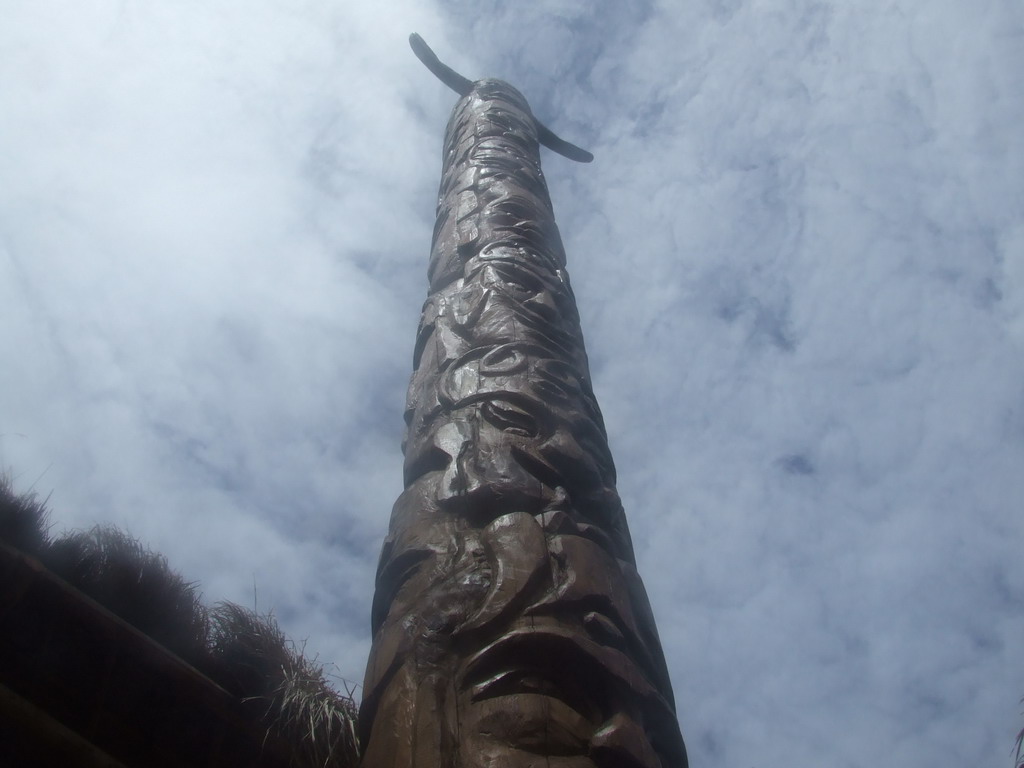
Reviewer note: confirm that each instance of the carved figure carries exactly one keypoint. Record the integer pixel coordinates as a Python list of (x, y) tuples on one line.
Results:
[(511, 629)]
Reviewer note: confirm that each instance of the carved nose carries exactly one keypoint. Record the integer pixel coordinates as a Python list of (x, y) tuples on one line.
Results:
[(622, 743)]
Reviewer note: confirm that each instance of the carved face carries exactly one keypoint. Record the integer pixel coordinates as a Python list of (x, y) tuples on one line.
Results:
[(562, 679)]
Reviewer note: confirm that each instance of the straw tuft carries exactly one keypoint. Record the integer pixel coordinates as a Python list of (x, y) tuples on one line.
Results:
[(253, 659), (23, 518)]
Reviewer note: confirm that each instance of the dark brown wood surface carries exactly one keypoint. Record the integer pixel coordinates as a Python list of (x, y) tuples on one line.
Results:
[(511, 628)]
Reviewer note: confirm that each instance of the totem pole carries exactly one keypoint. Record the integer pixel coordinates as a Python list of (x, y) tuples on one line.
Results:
[(511, 629)]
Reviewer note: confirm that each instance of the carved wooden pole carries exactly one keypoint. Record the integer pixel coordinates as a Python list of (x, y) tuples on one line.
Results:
[(511, 629)]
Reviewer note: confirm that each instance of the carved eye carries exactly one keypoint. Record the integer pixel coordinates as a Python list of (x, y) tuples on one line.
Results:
[(515, 207), (503, 361), (518, 281), (510, 418)]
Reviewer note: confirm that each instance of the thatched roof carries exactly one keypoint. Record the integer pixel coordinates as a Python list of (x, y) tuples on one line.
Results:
[(109, 657)]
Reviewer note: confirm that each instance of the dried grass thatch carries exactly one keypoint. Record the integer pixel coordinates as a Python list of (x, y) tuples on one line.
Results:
[(135, 583), (255, 661), (247, 651), (1018, 752), (23, 519), (244, 652)]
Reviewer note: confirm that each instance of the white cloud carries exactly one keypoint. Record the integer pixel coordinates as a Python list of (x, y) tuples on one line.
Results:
[(798, 259)]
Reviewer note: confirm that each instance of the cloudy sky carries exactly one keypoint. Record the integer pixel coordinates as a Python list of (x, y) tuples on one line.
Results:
[(799, 258)]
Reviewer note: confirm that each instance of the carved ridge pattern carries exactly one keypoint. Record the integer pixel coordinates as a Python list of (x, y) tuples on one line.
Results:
[(510, 626)]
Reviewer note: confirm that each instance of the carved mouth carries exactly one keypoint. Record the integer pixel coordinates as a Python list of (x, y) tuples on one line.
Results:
[(555, 684), (573, 699), (556, 667), (540, 709), (532, 723)]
